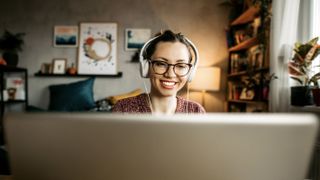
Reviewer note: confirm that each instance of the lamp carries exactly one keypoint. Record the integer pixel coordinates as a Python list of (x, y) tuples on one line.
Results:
[(206, 79)]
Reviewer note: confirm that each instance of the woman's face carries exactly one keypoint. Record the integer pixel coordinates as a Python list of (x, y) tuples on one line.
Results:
[(168, 84)]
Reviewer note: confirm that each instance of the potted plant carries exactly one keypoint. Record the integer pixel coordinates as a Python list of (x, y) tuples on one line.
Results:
[(300, 69), (267, 78), (10, 45), (250, 87)]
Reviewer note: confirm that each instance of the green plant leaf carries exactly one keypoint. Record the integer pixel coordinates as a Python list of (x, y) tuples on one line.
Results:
[(297, 79), (315, 79), (313, 41)]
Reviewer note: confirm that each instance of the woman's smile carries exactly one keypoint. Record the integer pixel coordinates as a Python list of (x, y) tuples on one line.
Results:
[(168, 84)]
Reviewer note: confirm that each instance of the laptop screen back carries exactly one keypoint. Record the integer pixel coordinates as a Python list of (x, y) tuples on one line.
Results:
[(142, 147)]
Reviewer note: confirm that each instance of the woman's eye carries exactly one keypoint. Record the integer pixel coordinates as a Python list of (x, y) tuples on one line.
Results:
[(181, 66), (160, 64)]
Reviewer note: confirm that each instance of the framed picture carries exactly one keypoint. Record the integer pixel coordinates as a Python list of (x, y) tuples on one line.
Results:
[(135, 38), (46, 68), (65, 36), (98, 48), (59, 66), (247, 94)]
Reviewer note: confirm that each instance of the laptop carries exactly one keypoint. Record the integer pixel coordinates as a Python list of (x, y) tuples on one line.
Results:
[(218, 146)]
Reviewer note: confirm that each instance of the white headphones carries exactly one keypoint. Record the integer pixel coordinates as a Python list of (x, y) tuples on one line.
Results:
[(144, 64)]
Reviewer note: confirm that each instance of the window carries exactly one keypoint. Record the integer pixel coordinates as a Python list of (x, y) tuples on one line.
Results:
[(315, 30)]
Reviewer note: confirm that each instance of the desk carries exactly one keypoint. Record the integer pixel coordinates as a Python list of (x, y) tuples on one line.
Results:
[(314, 169)]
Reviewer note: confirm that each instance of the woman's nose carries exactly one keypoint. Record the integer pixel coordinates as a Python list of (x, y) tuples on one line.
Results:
[(170, 72)]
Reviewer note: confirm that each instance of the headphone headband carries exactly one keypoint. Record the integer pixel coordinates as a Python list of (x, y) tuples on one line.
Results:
[(144, 64)]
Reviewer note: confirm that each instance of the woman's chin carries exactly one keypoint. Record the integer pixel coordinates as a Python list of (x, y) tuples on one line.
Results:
[(168, 92)]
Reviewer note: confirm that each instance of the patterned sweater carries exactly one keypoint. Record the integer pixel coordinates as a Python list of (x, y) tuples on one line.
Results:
[(139, 104)]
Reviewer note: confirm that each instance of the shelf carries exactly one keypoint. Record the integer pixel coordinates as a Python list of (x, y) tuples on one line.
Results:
[(247, 101), (4, 68), (79, 75), (14, 101), (233, 75), (245, 44), (311, 108), (247, 16)]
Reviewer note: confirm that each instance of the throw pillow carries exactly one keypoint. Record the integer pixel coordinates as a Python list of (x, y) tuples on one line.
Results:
[(115, 99), (77, 96)]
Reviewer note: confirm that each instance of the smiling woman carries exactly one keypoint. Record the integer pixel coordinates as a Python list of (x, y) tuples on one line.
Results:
[(169, 60)]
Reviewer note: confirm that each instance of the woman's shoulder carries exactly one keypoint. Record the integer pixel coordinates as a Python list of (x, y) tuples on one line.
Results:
[(131, 104), (132, 99), (188, 106)]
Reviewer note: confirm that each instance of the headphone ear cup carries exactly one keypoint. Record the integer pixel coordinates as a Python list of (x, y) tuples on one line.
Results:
[(192, 73), (144, 68), (144, 63)]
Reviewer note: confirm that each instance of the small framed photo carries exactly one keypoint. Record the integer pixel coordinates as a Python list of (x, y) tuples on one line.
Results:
[(135, 38), (59, 66), (247, 94), (46, 68), (65, 36)]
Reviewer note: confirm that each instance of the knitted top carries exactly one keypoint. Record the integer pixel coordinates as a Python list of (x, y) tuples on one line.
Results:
[(140, 104)]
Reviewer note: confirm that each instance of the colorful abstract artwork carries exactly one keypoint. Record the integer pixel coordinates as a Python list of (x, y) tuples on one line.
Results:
[(97, 48)]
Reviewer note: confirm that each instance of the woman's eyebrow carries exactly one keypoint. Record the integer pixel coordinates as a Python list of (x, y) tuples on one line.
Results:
[(165, 59), (161, 58), (182, 60)]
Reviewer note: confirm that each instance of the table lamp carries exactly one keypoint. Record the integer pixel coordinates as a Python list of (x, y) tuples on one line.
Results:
[(206, 79)]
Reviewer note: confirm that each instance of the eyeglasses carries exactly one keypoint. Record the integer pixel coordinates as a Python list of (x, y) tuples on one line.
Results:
[(161, 67)]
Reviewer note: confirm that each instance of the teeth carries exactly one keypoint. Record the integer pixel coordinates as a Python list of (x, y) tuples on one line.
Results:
[(168, 83)]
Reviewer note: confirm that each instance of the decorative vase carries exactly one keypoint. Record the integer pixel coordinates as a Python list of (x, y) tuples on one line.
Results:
[(265, 93), (11, 58), (72, 70), (301, 96), (316, 96)]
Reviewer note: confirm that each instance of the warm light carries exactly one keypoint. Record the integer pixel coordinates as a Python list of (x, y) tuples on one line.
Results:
[(206, 79)]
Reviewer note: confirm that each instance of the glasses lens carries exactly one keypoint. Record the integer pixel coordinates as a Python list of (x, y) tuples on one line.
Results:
[(181, 69), (159, 67)]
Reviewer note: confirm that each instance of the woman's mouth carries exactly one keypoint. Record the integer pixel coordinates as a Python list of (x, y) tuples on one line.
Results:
[(167, 84)]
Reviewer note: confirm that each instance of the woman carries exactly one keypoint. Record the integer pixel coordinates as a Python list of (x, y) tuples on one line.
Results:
[(169, 60)]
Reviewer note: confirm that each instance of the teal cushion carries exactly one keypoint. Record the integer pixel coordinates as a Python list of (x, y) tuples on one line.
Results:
[(77, 96)]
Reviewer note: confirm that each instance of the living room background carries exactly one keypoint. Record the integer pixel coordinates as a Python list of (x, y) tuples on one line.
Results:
[(202, 21)]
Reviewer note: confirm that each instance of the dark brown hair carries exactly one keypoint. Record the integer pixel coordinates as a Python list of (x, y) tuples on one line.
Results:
[(166, 36)]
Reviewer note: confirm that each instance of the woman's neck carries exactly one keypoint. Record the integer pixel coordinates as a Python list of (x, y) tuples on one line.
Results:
[(163, 105)]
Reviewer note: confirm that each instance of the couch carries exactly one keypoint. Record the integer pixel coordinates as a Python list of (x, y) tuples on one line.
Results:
[(78, 96)]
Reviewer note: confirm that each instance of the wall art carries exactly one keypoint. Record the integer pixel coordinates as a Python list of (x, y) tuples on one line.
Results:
[(59, 66), (97, 49), (135, 38), (65, 36)]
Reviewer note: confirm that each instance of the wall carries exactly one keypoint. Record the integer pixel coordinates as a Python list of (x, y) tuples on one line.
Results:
[(202, 21)]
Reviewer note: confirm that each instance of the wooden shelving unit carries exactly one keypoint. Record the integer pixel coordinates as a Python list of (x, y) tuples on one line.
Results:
[(79, 75), (245, 44), (234, 75), (247, 16), (6, 102), (247, 101), (240, 52)]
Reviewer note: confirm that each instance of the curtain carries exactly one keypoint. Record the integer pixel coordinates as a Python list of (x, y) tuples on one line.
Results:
[(289, 24)]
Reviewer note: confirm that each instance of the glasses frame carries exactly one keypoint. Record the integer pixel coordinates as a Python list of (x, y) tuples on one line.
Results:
[(174, 66)]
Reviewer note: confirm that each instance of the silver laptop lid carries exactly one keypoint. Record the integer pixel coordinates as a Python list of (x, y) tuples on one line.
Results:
[(142, 147)]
